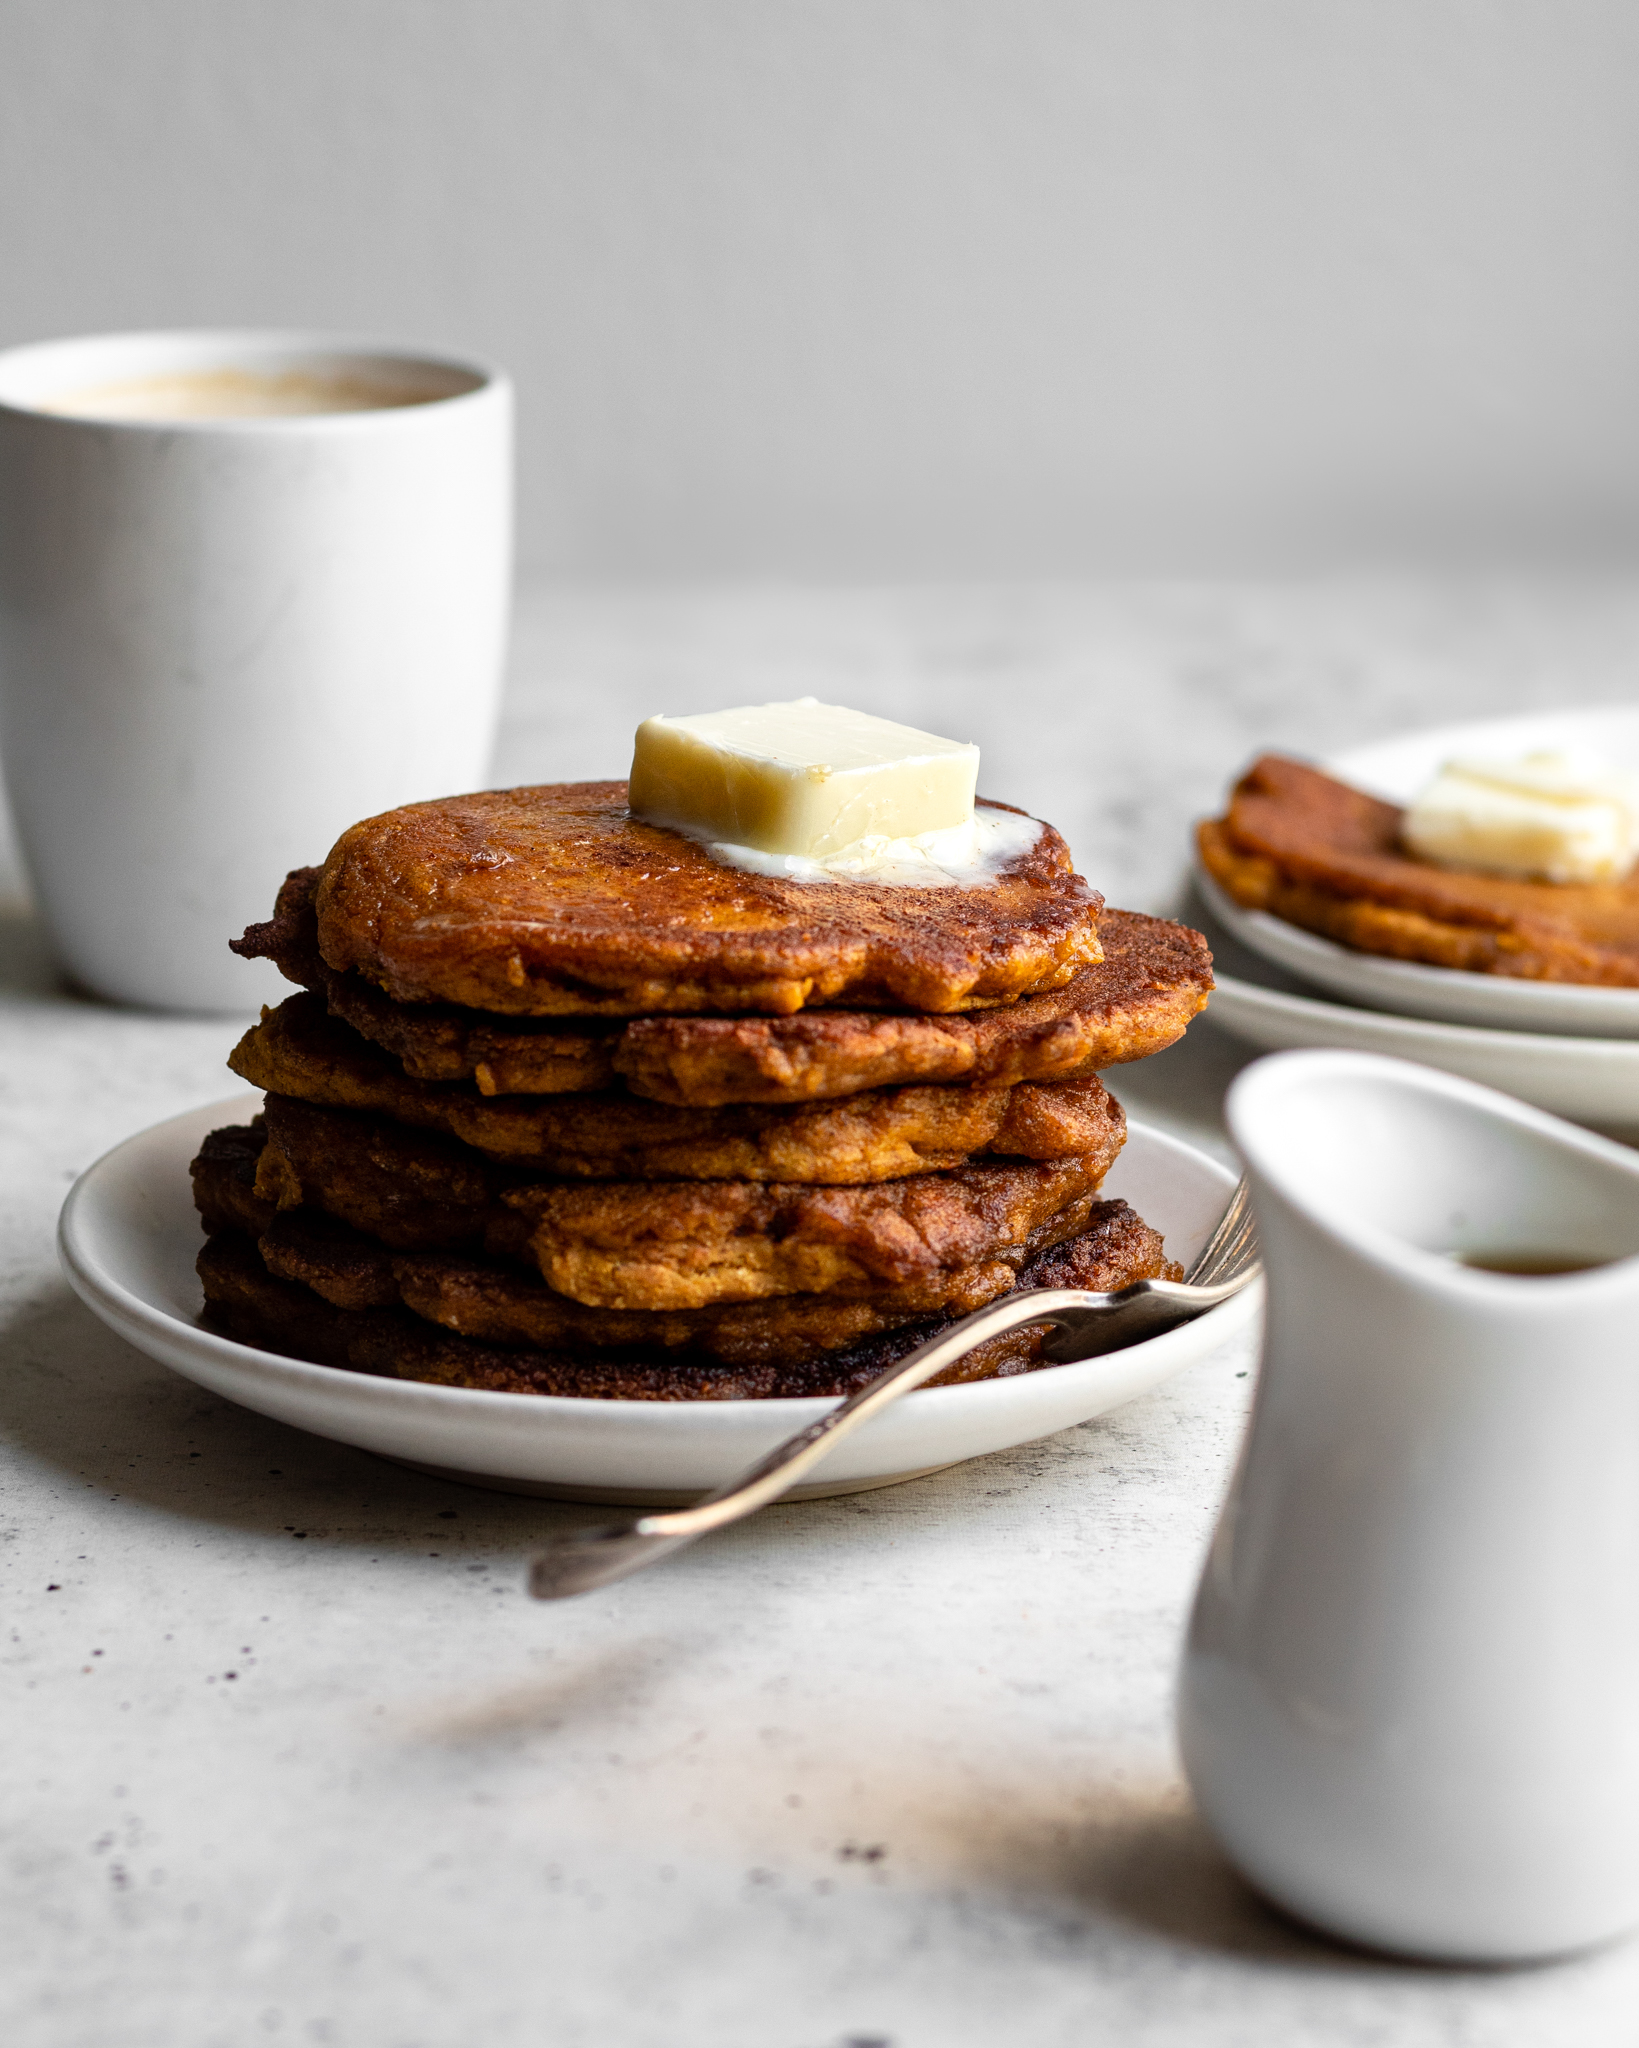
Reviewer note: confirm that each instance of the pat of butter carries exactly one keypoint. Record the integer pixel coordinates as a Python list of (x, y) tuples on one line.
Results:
[(803, 780), (1546, 818)]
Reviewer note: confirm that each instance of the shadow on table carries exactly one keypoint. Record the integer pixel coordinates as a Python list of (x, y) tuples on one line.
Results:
[(1138, 1854), (80, 1400), (1161, 1870), (592, 1685), (76, 1398), (27, 967), (1164, 1872)]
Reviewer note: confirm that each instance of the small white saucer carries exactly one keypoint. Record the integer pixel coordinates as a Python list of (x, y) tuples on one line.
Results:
[(1589, 1080), (1396, 769), (129, 1236), (1409, 989)]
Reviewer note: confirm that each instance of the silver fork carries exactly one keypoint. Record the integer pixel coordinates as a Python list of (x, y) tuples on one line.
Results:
[(1084, 1326)]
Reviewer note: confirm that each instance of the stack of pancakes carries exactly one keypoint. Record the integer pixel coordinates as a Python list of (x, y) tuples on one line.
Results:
[(569, 1107)]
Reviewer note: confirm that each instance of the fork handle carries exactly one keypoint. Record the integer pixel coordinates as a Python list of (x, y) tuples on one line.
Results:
[(784, 1465), (1083, 1327), (593, 1557)]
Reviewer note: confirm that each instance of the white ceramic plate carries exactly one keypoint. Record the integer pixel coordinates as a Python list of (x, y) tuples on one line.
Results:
[(1396, 769), (1411, 990), (1590, 1080), (129, 1236)]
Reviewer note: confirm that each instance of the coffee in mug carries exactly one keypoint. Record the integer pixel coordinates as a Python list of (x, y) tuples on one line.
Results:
[(253, 587), (228, 393)]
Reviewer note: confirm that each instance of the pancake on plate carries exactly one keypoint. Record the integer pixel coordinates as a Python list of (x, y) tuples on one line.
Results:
[(499, 1301), (300, 1051), (648, 1244), (249, 1301), (570, 1106), (1309, 849), (1153, 978), (556, 902)]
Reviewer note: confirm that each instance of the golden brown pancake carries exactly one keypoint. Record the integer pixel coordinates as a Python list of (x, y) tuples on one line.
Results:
[(1154, 977), (410, 1189), (485, 1298), (418, 1190), (683, 1244), (434, 1041), (300, 1050), (223, 1172), (1319, 854), (499, 1303), (669, 1244), (552, 901), (248, 1302)]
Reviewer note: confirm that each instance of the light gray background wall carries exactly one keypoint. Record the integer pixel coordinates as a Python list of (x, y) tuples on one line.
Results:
[(901, 287)]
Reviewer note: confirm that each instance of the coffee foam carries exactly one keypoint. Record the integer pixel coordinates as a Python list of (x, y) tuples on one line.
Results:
[(228, 393)]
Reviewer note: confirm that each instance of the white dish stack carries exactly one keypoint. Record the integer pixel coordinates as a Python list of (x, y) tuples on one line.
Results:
[(1572, 1050)]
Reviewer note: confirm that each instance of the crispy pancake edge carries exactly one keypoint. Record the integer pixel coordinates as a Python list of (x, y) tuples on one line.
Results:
[(613, 1246), (247, 1302), (502, 1302), (1155, 976), (300, 1051), (665, 1245), (552, 901)]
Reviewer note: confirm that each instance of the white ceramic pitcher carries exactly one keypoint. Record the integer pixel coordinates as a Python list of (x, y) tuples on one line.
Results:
[(1410, 1697)]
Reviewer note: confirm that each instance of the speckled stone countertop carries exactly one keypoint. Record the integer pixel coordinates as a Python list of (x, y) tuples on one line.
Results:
[(289, 1755)]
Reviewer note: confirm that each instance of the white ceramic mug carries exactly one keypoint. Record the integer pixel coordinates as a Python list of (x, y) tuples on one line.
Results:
[(225, 638), (1410, 1698)]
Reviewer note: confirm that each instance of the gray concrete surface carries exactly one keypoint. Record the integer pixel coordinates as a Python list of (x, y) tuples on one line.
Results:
[(289, 1757)]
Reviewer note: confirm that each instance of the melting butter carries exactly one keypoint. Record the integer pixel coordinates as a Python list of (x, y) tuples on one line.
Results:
[(814, 784), (966, 856), (1547, 817)]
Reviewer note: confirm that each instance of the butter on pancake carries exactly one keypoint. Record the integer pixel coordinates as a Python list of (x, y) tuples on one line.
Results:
[(554, 901), (1154, 977), (735, 1085), (1545, 817), (1309, 849), (803, 782)]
